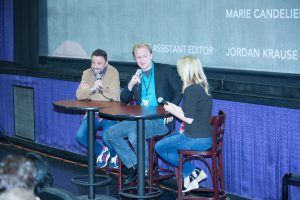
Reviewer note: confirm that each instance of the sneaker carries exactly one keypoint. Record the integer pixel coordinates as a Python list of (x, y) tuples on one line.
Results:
[(114, 162), (196, 177), (187, 180), (103, 158)]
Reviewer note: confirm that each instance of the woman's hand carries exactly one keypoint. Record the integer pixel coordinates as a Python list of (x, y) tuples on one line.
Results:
[(168, 120), (170, 107)]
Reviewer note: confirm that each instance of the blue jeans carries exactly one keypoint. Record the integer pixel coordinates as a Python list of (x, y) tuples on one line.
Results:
[(167, 149), (82, 136), (117, 134)]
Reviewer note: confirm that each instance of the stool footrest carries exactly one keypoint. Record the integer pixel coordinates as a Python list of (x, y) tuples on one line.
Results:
[(205, 193), (83, 180), (153, 192)]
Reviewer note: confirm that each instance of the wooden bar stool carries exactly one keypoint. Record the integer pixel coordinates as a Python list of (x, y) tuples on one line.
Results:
[(216, 166), (155, 172)]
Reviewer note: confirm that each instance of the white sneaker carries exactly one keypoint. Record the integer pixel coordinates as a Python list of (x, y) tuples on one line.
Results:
[(187, 180), (113, 162), (194, 184), (103, 158)]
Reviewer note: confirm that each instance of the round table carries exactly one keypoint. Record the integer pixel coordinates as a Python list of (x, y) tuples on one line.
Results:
[(90, 107), (138, 113)]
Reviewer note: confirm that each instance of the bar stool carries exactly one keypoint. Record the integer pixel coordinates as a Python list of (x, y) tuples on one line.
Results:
[(216, 166), (289, 179), (156, 173), (153, 172)]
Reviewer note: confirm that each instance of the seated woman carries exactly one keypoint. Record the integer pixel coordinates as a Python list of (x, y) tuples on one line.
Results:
[(195, 114)]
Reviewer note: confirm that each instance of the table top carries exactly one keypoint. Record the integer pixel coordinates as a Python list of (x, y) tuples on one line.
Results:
[(85, 104), (122, 111)]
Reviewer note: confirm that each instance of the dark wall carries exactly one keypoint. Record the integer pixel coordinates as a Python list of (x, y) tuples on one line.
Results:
[(6, 30), (26, 32)]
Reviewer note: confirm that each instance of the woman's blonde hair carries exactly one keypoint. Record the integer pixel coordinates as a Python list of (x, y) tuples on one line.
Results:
[(191, 71)]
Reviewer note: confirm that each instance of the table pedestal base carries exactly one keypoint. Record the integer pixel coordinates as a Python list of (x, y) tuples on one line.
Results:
[(97, 197), (151, 192), (102, 181)]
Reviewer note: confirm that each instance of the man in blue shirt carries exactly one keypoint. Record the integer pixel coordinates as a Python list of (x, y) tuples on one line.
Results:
[(156, 80)]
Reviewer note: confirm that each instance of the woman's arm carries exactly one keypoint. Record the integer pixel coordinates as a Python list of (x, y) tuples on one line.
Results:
[(177, 112)]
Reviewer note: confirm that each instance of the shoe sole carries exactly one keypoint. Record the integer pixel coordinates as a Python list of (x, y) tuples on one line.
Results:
[(113, 166), (126, 183), (195, 183)]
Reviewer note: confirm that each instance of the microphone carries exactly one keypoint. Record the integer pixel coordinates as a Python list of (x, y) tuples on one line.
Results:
[(162, 101), (138, 72), (98, 77)]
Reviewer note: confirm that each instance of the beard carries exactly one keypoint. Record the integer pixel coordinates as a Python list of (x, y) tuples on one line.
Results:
[(96, 71), (99, 71)]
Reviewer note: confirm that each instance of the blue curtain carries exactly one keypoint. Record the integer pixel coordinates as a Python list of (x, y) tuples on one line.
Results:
[(6, 30), (261, 142), (53, 127), (261, 145)]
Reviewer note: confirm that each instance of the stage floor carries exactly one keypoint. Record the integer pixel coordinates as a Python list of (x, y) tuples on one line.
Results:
[(63, 170)]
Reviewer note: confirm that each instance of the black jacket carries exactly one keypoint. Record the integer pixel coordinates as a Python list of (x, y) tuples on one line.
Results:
[(167, 86)]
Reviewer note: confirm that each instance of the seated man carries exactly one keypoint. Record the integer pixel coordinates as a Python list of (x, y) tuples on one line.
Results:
[(99, 83), (156, 80)]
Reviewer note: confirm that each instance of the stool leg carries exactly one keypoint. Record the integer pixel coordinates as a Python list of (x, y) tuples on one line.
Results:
[(150, 162), (215, 177), (285, 186), (179, 177), (120, 175), (222, 184)]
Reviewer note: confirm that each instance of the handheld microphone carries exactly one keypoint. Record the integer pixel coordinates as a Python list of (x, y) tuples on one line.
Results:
[(162, 101), (138, 72), (98, 76)]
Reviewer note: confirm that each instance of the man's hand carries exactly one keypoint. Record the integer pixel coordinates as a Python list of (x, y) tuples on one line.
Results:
[(134, 80), (84, 86), (97, 84)]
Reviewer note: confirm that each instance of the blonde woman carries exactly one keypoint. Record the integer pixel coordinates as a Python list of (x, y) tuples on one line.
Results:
[(195, 114)]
